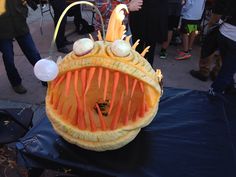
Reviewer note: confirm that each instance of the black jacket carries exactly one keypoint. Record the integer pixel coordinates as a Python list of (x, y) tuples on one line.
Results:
[(226, 8), (13, 21)]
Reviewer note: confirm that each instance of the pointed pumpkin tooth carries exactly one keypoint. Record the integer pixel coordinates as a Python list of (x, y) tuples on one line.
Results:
[(51, 98), (126, 84), (133, 87), (107, 73), (90, 78), (91, 119), (127, 114), (141, 86), (99, 76), (135, 116), (60, 109), (115, 84), (68, 79), (101, 118), (76, 77), (55, 106), (115, 119), (83, 79), (80, 119), (142, 109), (59, 81), (67, 115)]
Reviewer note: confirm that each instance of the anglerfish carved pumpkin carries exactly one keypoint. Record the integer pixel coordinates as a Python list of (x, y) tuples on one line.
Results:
[(105, 91)]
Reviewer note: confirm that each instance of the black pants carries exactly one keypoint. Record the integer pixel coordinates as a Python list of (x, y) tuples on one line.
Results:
[(58, 7)]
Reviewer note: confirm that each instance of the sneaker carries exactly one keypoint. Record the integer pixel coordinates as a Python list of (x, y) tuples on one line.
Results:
[(198, 75), (163, 54), (68, 42), (183, 56), (20, 89)]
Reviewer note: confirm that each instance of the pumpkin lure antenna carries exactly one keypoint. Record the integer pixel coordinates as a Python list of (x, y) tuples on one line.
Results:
[(115, 28), (64, 13)]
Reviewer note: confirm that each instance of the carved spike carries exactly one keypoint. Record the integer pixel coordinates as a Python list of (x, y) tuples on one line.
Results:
[(90, 78), (107, 73), (127, 114), (135, 44), (127, 39), (83, 79), (141, 87), (115, 119), (99, 36), (133, 87), (99, 76), (115, 84), (126, 84), (135, 116), (145, 51), (68, 78), (91, 119), (101, 118), (91, 37), (59, 81)]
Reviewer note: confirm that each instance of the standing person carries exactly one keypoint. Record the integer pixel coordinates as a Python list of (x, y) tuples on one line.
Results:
[(81, 25), (13, 25), (224, 83), (174, 12), (191, 15), (149, 24)]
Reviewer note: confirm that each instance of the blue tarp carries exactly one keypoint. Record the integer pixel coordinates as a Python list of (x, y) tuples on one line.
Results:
[(191, 136)]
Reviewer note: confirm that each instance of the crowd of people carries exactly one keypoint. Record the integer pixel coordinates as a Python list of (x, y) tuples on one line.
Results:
[(151, 21)]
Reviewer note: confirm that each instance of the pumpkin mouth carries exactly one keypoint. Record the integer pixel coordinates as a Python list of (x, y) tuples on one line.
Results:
[(115, 100)]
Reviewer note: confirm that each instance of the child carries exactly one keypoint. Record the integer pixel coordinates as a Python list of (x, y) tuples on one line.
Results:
[(191, 15)]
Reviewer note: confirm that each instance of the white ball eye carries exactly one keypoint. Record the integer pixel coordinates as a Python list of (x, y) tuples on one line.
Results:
[(46, 70), (83, 46), (120, 48)]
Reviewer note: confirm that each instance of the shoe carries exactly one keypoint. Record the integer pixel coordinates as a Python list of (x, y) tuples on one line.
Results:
[(63, 50), (45, 84), (68, 42), (163, 54), (198, 75), (86, 28), (20, 89), (183, 56)]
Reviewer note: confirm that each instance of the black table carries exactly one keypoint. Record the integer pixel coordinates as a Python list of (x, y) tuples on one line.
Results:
[(191, 136)]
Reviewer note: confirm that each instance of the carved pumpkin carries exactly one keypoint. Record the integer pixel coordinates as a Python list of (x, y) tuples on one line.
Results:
[(105, 91)]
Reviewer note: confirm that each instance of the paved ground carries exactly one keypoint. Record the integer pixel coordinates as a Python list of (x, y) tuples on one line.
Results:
[(176, 73)]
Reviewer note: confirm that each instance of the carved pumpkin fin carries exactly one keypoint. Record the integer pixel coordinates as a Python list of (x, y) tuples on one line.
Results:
[(127, 39), (135, 44), (91, 37), (99, 36), (115, 28), (145, 51)]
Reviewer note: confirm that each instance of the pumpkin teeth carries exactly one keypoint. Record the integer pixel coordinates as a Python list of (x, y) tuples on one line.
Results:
[(69, 98)]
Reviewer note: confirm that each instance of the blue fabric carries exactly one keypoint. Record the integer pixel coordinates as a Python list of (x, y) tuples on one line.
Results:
[(27, 45), (191, 136)]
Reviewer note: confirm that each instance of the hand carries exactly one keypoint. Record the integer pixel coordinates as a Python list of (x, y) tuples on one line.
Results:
[(135, 5)]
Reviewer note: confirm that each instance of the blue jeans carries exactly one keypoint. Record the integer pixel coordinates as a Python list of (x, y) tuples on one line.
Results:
[(27, 45), (225, 77)]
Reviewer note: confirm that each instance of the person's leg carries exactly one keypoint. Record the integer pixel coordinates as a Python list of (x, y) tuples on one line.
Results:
[(192, 37), (185, 38), (228, 69), (27, 46), (58, 7), (6, 48), (166, 44)]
